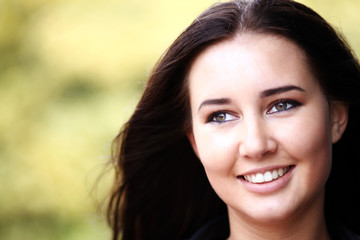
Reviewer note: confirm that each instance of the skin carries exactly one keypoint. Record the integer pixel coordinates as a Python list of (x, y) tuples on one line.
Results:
[(256, 106)]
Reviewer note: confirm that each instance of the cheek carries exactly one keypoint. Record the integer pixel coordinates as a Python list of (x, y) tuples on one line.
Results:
[(307, 136), (309, 143), (217, 152)]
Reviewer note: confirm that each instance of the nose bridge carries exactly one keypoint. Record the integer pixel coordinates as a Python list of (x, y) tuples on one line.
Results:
[(255, 140)]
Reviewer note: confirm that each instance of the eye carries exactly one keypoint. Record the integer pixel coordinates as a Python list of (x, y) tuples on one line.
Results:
[(283, 105), (221, 117)]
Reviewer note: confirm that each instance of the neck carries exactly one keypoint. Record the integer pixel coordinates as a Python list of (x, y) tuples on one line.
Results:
[(308, 224)]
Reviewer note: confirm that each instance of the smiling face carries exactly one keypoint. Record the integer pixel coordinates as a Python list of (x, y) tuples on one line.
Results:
[(262, 127)]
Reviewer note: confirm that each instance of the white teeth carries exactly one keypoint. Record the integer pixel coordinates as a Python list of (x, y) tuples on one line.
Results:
[(268, 176), (253, 178), (275, 174), (259, 178), (281, 172)]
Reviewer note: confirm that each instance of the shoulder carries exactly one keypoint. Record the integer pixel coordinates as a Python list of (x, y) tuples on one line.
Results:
[(218, 229), (340, 232), (215, 229), (349, 235)]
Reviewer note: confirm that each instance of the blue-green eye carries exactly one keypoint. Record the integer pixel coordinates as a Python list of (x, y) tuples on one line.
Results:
[(283, 105), (221, 117)]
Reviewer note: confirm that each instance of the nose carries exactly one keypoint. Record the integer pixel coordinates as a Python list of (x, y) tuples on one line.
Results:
[(256, 139)]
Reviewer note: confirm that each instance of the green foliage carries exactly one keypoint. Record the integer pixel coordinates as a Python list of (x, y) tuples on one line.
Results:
[(71, 72)]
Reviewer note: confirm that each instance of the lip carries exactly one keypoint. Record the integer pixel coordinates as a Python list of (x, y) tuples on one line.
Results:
[(267, 187), (264, 169)]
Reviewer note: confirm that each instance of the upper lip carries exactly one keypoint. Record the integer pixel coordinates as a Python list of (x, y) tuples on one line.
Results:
[(264, 169)]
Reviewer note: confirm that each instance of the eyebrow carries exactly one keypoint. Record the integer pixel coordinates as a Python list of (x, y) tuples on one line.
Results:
[(217, 101), (273, 91)]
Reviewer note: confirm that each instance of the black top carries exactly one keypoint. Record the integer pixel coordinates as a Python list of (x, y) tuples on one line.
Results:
[(218, 229)]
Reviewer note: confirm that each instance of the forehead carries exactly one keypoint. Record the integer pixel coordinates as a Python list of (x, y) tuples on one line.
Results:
[(262, 60)]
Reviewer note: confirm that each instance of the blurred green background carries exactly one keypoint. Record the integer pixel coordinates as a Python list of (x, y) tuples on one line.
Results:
[(71, 72)]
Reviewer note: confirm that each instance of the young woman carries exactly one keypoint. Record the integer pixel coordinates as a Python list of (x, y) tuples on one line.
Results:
[(247, 129)]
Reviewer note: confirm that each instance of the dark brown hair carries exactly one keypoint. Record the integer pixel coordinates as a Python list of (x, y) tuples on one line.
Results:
[(160, 189)]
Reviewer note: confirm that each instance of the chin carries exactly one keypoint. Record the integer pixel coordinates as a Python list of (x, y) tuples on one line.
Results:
[(269, 213)]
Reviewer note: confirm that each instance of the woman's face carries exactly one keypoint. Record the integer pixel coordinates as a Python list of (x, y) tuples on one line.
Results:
[(262, 127)]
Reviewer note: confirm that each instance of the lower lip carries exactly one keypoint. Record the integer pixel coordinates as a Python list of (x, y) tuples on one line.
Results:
[(268, 187)]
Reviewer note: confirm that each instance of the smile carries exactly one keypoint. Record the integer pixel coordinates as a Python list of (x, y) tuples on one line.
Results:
[(267, 176)]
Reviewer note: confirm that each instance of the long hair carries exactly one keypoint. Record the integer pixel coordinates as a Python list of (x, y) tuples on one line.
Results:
[(160, 189)]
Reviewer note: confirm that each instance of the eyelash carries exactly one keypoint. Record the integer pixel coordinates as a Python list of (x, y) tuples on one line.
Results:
[(293, 104)]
